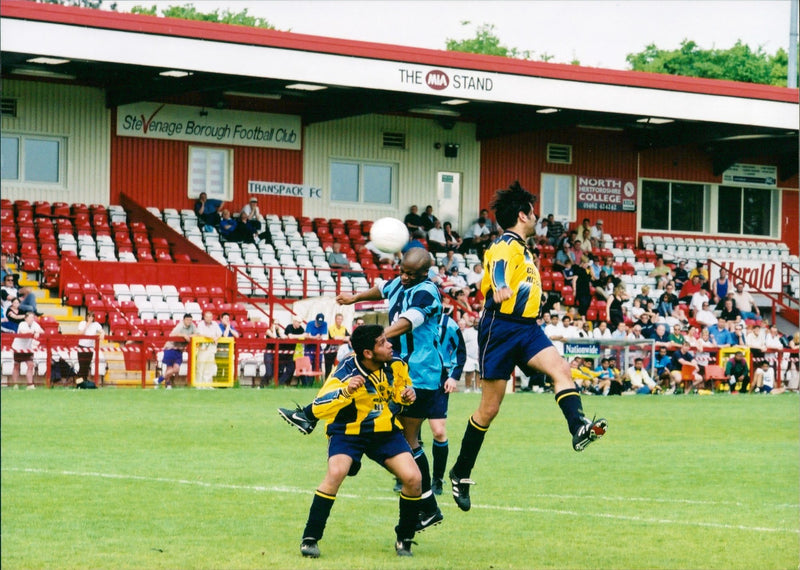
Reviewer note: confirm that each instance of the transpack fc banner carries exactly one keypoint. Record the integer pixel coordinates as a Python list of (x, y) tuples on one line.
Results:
[(217, 126), (609, 194)]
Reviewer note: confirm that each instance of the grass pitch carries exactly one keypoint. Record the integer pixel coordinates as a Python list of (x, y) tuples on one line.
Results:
[(186, 479)]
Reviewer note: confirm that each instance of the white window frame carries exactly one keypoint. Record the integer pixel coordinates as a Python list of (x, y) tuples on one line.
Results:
[(393, 190), (562, 184), (62, 160), (199, 181), (711, 209)]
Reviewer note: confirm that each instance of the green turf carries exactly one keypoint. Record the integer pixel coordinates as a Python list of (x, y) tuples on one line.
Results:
[(215, 479)]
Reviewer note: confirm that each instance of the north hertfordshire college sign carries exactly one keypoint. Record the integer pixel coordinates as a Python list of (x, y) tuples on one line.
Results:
[(194, 124)]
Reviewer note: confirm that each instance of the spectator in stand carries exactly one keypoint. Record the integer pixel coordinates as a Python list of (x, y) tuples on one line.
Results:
[(764, 380), (4, 271), (621, 332), (690, 287), (337, 259), (661, 272), (738, 333), (563, 254), (568, 270), (583, 286), (596, 234), (586, 226), (601, 330), (719, 332), (413, 220), (646, 324), (227, 225), (700, 271), (207, 211), (662, 361), (698, 298), (744, 302), (676, 337), (14, 316), (428, 219), (661, 336), (316, 329), (584, 328), (227, 328), (570, 331), (614, 314), (452, 240), (577, 251), (415, 240), (636, 333), (605, 378), (272, 333), (668, 306), (730, 312), (86, 346), (720, 287), (470, 334), (494, 228), (9, 286), (639, 378), (586, 243), (474, 278), (245, 231), (705, 316), (253, 211), (337, 331), (541, 231), (608, 267), (595, 266), (603, 288), (205, 357), (556, 332), (582, 374), (643, 296), (451, 262), (680, 358), (457, 283), (555, 230), (27, 301), (737, 372), (173, 351), (636, 310), (437, 241), (23, 348), (477, 237), (295, 330), (680, 275)]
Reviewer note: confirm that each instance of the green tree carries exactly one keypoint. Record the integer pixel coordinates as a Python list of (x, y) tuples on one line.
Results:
[(738, 63), (485, 42), (95, 4), (189, 12)]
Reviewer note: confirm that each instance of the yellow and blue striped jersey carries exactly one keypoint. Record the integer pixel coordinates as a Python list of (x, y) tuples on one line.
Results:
[(371, 408), (509, 263)]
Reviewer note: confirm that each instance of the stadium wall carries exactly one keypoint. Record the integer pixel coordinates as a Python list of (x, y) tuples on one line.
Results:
[(361, 139), (77, 117)]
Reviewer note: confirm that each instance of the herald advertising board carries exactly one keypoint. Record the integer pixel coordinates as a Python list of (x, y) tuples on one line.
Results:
[(607, 194), (762, 275)]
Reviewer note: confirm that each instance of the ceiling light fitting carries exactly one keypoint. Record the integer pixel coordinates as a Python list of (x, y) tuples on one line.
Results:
[(48, 60), (436, 111), (306, 87), (655, 121), (274, 96), (175, 73), (546, 111), (455, 102)]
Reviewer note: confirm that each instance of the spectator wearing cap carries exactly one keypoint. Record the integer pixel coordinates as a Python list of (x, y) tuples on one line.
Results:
[(596, 234), (701, 271), (252, 210), (316, 329)]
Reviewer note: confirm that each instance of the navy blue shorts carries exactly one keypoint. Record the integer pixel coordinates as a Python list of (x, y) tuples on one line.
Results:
[(377, 446), (503, 344), (430, 405), (172, 356)]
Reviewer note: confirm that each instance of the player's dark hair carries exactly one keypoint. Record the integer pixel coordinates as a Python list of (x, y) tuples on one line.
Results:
[(364, 337), (508, 203)]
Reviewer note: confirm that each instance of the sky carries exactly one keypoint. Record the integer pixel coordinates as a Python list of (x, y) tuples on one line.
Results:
[(597, 33)]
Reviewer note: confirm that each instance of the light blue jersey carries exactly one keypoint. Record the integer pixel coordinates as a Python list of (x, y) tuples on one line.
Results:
[(421, 305), (452, 347)]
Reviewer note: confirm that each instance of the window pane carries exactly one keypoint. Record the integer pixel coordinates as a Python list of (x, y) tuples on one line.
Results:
[(655, 205), (563, 194), (344, 182), (687, 207), (729, 210), (9, 162), (377, 184), (556, 196), (757, 212), (41, 160)]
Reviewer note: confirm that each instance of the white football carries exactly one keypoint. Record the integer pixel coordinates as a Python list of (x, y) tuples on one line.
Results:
[(389, 235)]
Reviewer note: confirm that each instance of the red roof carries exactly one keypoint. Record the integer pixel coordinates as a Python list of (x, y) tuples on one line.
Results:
[(233, 34)]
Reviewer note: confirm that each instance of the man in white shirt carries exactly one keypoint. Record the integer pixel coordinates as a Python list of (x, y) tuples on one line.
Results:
[(745, 303), (705, 316), (23, 348), (205, 359), (474, 277), (601, 330), (696, 304), (640, 380), (621, 332), (476, 237), (596, 234), (570, 330), (436, 239), (470, 335), (556, 333)]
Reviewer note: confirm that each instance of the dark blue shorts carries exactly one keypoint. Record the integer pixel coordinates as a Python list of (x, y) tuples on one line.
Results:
[(377, 446), (430, 405), (503, 344), (172, 356)]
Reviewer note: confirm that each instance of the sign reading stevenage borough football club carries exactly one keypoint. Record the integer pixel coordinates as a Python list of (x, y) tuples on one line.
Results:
[(194, 124), (609, 194)]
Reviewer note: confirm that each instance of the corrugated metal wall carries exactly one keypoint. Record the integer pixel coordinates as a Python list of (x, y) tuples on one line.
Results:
[(77, 114), (361, 138), (155, 173), (523, 157)]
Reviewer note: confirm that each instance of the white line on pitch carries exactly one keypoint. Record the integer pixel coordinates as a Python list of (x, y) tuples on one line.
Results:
[(282, 489)]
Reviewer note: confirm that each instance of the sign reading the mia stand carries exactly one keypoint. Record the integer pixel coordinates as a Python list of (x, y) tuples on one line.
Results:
[(609, 194), (192, 124)]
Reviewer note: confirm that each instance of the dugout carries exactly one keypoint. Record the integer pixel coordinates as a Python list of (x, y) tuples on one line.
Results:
[(317, 126)]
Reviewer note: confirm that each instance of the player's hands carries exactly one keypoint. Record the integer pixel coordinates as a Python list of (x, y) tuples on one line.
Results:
[(502, 294), (450, 386), (355, 383), (408, 395), (343, 299)]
